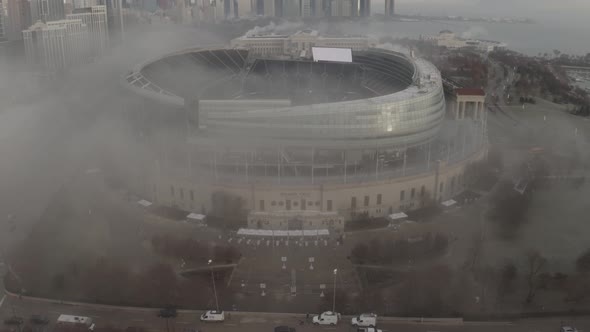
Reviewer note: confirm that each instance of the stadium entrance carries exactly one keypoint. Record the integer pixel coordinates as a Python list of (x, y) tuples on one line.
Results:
[(295, 223)]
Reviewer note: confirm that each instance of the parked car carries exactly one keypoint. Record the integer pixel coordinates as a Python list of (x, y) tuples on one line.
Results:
[(213, 316), (364, 320), (40, 320), (284, 329), (168, 313), (14, 320), (326, 318)]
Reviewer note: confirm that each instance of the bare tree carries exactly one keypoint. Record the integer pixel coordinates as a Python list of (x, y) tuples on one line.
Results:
[(583, 262), (475, 252), (535, 263)]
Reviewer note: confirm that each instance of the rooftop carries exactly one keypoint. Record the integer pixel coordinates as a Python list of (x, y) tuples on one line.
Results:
[(470, 92)]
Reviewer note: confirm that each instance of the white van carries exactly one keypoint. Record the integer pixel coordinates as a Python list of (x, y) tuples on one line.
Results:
[(326, 318), (72, 320), (213, 316), (365, 320)]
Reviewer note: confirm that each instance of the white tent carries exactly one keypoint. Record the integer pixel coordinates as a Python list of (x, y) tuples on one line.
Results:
[(144, 203), (280, 233), (310, 232), (295, 233), (283, 233), (195, 217), (323, 232), (397, 216), (266, 232), (449, 203)]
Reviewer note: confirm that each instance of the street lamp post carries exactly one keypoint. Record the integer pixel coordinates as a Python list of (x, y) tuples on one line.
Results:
[(334, 298), (214, 289)]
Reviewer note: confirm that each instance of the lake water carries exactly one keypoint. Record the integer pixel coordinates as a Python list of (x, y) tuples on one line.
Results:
[(542, 36)]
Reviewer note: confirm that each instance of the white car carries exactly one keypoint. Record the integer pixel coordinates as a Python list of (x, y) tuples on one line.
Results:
[(213, 316), (364, 320), (326, 318)]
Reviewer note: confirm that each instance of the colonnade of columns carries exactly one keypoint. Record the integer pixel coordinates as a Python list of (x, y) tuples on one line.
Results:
[(461, 107)]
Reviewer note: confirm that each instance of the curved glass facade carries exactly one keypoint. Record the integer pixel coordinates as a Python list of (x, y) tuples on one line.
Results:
[(400, 101), (389, 125)]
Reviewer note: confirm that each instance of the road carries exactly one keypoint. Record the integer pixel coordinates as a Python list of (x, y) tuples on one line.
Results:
[(248, 322)]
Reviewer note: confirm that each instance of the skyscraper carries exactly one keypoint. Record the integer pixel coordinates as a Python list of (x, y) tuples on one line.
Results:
[(45, 47), (95, 19), (17, 19), (3, 19), (315, 8), (84, 3), (279, 8), (361, 8), (244, 8), (77, 41), (258, 7), (227, 9), (326, 7), (341, 8), (306, 8), (364, 7), (54, 46), (292, 8), (47, 10), (389, 7)]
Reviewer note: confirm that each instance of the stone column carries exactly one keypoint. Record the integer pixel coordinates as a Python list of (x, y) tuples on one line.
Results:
[(482, 110), (463, 107)]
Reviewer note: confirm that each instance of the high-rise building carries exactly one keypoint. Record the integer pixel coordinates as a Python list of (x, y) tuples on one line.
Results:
[(77, 43), (315, 6), (269, 7), (19, 18), (95, 19), (258, 7), (306, 10), (389, 7), (326, 7), (45, 47), (262, 7), (279, 8), (3, 19), (361, 8), (84, 3), (341, 8), (14, 18), (292, 8), (245, 8), (47, 10), (54, 46), (227, 9)]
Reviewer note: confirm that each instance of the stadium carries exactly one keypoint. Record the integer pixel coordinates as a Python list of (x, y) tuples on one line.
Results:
[(303, 143)]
